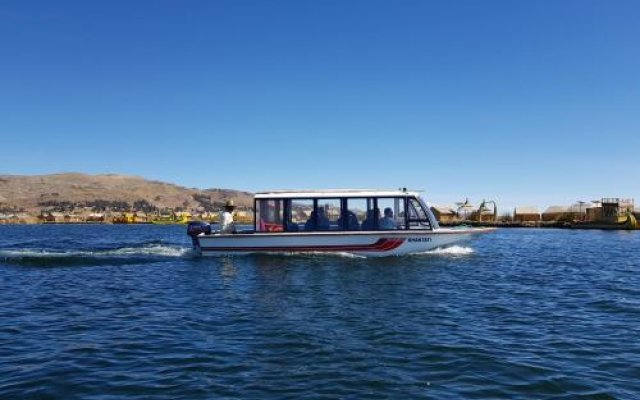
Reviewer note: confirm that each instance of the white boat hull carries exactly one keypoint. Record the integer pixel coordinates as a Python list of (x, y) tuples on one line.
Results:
[(370, 244)]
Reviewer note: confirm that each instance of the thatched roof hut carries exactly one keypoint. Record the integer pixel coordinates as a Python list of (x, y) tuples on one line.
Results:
[(526, 214)]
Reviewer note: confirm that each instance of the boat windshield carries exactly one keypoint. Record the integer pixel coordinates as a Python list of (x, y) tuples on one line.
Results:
[(418, 217)]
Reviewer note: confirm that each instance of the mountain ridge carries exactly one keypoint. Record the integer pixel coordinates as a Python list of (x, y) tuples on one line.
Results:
[(34, 193)]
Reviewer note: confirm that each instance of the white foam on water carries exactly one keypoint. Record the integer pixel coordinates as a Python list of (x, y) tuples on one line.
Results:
[(156, 250), (452, 250), (31, 253), (349, 255)]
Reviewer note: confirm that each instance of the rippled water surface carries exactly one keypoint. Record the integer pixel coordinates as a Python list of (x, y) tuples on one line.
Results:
[(102, 312)]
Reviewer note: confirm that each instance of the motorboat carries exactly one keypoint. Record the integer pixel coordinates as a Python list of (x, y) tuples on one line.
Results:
[(360, 222)]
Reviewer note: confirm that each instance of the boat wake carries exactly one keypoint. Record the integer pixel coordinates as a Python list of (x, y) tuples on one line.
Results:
[(122, 255), (452, 251)]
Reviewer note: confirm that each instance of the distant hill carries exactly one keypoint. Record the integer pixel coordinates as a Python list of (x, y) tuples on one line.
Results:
[(74, 190)]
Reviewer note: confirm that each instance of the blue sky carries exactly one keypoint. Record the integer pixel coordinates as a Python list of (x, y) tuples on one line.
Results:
[(523, 102)]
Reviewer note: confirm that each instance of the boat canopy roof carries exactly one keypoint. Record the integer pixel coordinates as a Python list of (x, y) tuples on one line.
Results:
[(333, 193)]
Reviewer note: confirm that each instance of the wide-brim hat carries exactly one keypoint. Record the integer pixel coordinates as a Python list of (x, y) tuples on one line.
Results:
[(229, 203)]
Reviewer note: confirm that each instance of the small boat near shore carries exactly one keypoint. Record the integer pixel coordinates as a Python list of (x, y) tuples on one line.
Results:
[(361, 222)]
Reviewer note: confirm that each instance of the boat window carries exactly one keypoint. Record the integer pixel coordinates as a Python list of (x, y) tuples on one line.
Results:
[(301, 210), (360, 214), (418, 218), (269, 215), (328, 213), (392, 213)]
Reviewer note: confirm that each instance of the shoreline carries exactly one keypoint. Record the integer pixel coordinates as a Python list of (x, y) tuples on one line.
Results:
[(544, 224), (506, 225)]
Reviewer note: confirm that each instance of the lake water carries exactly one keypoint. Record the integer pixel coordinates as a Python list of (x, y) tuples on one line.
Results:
[(105, 312)]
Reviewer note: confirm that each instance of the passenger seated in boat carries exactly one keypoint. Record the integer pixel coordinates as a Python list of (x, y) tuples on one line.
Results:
[(292, 227), (369, 223), (388, 222), (351, 220), (317, 221), (323, 221), (309, 225)]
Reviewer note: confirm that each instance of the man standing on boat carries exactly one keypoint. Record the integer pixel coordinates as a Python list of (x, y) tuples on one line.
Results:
[(226, 218)]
